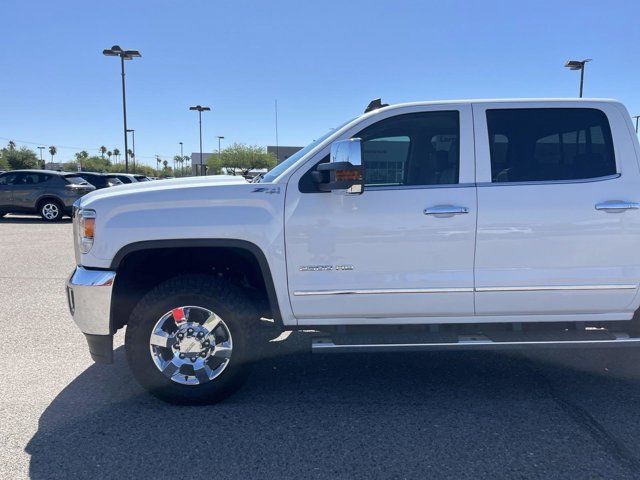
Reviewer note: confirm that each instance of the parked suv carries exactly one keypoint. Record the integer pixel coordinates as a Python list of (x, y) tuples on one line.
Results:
[(100, 180), (131, 178), (432, 225), (48, 193)]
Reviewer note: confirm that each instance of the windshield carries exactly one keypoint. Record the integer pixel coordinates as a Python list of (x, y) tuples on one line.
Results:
[(276, 171)]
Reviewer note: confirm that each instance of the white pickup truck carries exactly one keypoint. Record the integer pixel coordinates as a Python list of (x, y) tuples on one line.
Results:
[(431, 225)]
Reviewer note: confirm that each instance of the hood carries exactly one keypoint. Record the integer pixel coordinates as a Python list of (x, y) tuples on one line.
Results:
[(158, 186)]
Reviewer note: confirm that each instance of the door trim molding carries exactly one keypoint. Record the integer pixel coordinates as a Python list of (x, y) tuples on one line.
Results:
[(381, 291), (542, 288), (533, 288)]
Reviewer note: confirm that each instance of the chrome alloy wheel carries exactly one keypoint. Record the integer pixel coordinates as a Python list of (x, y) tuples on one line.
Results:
[(50, 211), (190, 345)]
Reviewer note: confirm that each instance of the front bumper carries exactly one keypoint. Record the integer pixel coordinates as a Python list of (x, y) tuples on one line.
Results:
[(89, 297)]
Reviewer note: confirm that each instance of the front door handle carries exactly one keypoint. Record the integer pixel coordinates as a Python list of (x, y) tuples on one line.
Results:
[(443, 211), (613, 206)]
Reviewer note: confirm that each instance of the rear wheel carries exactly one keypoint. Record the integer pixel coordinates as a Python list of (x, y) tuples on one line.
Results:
[(191, 339), (50, 210)]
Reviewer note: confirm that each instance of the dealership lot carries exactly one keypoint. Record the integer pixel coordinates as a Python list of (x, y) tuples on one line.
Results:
[(564, 414)]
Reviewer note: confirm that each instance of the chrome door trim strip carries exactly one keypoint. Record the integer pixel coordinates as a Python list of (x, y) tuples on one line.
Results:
[(539, 288), (536, 288), (302, 293)]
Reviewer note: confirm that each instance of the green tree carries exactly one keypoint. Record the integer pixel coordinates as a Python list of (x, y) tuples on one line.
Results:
[(53, 150), (14, 158), (103, 150), (240, 159), (116, 153)]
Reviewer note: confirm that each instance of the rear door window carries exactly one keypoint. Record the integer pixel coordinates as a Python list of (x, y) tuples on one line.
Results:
[(549, 144)]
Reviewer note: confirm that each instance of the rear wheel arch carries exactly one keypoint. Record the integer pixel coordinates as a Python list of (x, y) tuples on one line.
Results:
[(199, 254)]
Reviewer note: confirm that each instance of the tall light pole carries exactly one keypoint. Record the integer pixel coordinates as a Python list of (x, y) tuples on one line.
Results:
[(133, 139), (116, 51), (636, 117), (42, 148), (219, 137), (578, 65), (200, 109), (181, 159)]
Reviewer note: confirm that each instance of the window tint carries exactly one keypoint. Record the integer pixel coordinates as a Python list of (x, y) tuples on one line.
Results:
[(76, 180), (412, 149), (8, 179), (545, 144), (30, 178)]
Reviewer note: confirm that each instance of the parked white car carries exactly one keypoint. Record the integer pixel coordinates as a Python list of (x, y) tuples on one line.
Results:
[(429, 225)]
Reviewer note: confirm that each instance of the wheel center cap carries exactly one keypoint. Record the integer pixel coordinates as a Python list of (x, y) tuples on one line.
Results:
[(190, 345)]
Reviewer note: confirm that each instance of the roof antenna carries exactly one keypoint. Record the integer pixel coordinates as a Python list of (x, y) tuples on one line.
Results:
[(375, 104)]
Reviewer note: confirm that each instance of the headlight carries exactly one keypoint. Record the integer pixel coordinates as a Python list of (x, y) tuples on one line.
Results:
[(86, 229)]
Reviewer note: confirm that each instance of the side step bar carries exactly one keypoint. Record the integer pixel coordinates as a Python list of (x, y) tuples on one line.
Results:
[(326, 345)]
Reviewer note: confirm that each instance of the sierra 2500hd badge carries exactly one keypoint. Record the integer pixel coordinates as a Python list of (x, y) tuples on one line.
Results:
[(325, 268)]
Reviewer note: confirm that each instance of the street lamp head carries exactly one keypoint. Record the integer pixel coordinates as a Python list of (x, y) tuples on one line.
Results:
[(200, 108), (116, 51), (220, 137), (576, 64), (129, 130)]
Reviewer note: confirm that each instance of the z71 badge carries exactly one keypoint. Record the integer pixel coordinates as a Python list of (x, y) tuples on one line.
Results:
[(266, 190)]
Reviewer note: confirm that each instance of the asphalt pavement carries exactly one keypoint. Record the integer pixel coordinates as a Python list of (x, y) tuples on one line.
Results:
[(563, 414)]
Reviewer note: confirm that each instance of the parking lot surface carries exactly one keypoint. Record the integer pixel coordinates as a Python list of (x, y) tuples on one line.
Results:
[(569, 414)]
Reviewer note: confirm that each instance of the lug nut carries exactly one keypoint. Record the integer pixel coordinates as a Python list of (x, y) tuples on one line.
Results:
[(200, 335), (193, 359), (182, 356), (203, 354), (189, 331), (206, 343), (181, 335)]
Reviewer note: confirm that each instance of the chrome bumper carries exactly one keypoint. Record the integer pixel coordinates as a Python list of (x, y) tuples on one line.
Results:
[(89, 297)]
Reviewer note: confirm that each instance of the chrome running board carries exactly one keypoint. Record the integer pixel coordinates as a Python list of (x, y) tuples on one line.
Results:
[(469, 342)]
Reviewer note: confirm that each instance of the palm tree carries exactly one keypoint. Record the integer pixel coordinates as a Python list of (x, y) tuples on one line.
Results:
[(12, 145), (103, 150), (165, 164), (158, 165), (133, 161), (109, 153), (52, 150), (187, 159), (116, 153)]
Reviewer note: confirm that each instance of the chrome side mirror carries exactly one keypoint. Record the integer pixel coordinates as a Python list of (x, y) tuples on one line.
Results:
[(345, 169)]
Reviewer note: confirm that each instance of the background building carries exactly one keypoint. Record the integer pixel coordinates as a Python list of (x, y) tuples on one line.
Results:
[(281, 152)]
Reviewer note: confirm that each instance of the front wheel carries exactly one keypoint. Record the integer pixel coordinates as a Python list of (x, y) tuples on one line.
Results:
[(190, 339)]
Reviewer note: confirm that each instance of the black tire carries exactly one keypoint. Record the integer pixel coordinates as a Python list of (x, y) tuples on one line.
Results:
[(229, 302), (51, 210)]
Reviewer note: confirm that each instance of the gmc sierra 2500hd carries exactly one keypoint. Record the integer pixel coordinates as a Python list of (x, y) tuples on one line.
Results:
[(430, 225)]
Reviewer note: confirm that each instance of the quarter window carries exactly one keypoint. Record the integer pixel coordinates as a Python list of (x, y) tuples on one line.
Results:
[(546, 144), (412, 149)]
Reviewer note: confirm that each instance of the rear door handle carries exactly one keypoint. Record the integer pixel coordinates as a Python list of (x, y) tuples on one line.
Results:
[(443, 211), (613, 206)]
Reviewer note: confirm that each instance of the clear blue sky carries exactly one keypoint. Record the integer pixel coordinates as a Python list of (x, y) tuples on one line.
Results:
[(323, 61)]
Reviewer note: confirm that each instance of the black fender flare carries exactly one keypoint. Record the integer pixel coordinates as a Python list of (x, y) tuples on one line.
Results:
[(251, 248)]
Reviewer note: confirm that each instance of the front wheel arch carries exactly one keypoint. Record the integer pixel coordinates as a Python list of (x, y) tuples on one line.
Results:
[(133, 261)]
